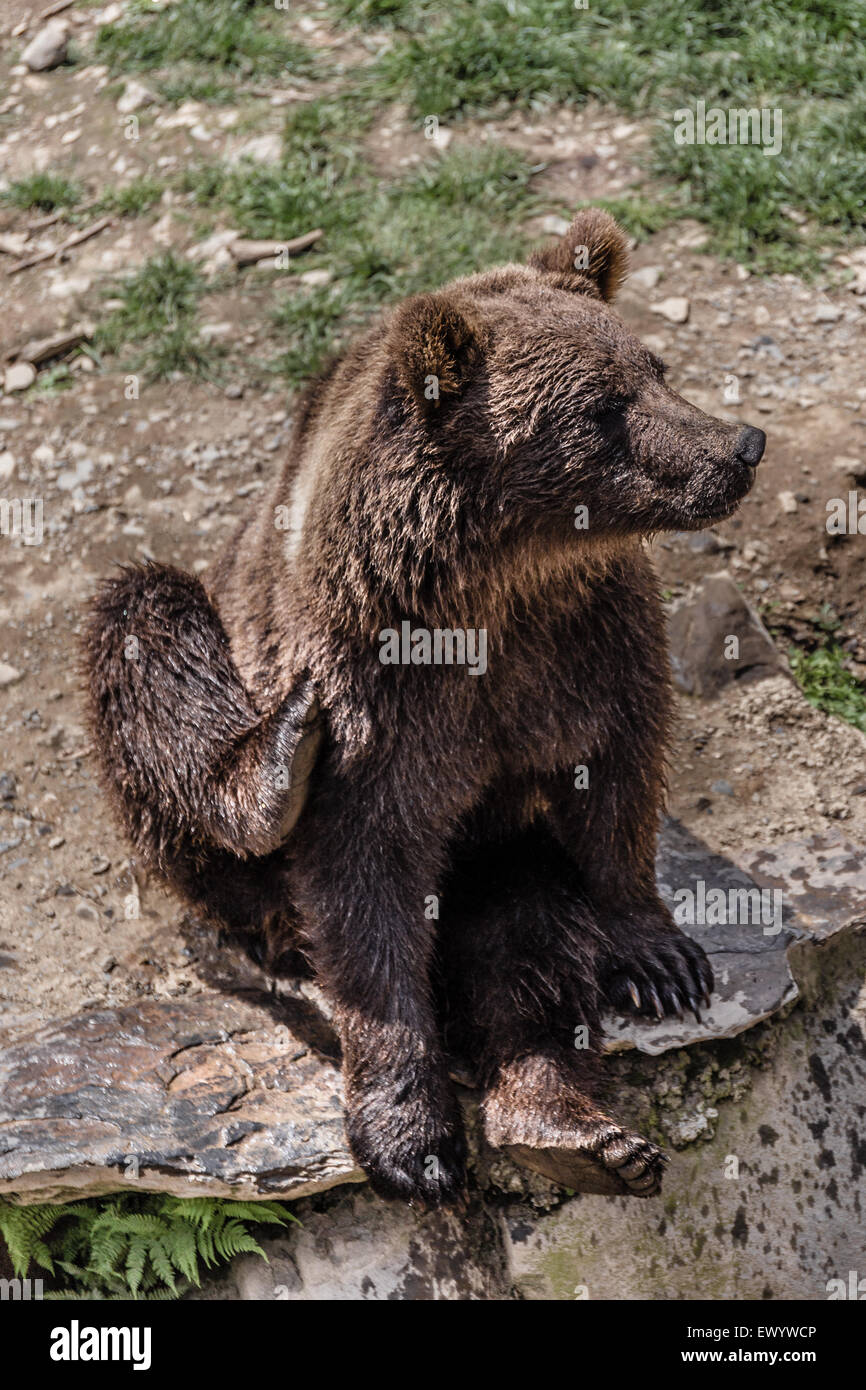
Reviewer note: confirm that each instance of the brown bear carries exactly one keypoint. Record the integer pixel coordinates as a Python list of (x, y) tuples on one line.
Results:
[(451, 566)]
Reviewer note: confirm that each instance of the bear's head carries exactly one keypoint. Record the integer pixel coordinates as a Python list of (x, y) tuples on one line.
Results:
[(526, 380)]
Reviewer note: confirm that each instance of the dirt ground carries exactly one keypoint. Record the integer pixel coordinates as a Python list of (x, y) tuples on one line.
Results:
[(170, 474)]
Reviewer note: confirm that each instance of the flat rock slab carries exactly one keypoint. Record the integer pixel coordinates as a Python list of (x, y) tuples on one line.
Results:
[(206, 1097), (822, 879)]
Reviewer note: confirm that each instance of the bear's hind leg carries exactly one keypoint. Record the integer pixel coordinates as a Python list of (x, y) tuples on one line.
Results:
[(521, 951)]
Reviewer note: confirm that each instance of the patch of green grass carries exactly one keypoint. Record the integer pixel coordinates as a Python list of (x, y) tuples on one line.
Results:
[(321, 180), (313, 324), (144, 1246), (132, 199), (452, 215), (468, 56), (159, 316), (827, 684), (187, 83), (805, 57), (747, 198), (245, 36), (371, 13), (53, 380), (449, 217), (43, 192)]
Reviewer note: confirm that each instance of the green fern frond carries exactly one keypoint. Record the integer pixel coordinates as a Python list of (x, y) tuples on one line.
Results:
[(23, 1230), (235, 1238), (199, 1211), (162, 1265), (139, 1245), (136, 1258), (263, 1213)]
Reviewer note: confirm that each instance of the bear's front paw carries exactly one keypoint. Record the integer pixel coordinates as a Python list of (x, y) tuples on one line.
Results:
[(409, 1142), (654, 970)]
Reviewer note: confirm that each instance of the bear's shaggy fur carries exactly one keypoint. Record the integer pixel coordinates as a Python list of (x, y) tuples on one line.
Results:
[(456, 885)]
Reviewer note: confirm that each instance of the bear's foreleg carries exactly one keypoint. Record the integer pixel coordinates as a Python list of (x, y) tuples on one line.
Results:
[(609, 829), (361, 877)]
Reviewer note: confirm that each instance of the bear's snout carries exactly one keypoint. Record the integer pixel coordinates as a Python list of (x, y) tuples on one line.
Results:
[(751, 443)]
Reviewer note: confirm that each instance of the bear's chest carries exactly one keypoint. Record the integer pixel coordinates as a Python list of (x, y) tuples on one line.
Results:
[(544, 700)]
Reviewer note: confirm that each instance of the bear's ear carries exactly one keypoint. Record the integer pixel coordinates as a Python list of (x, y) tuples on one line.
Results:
[(594, 248), (434, 349)]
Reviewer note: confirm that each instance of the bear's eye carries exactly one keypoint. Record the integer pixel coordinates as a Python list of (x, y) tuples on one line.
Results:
[(609, 406), (610, 414)]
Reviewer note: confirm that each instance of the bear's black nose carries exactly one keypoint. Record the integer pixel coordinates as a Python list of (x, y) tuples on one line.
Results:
[(750, 445)]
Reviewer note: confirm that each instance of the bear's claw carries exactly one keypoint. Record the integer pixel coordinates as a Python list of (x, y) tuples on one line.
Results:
[(658, 976)]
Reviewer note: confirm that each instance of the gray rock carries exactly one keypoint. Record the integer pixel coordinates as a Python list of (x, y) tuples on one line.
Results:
[(850, 468), (554, 226), (362, 1248), (135, 95), (748, 947), (8, 674), (675, 310), (207, 1096), (48, 48), (261, 149), (823, 879), (706, 543), (19, 377), (793, 894), (646, 278), (700, 627)]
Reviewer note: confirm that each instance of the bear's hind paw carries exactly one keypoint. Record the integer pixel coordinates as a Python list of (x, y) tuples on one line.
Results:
[(610, 1162), (538, 1112)]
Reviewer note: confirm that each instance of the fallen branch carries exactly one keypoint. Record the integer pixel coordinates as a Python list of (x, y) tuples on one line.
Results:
[(57, 8), (74, 240), (248, 252), (75, 753), (42, 222), (42, 349), (279, 96)]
